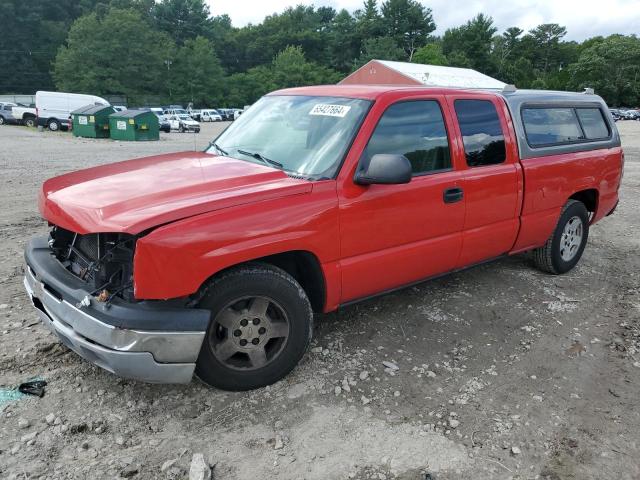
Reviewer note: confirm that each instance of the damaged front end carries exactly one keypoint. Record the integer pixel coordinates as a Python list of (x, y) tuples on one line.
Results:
[(104, 261), (82, 288)]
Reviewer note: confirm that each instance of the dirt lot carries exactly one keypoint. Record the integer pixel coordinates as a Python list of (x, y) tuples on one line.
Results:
[(487, 386)]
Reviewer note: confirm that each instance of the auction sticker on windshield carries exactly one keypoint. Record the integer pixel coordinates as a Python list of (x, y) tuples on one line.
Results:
[(328, 110)]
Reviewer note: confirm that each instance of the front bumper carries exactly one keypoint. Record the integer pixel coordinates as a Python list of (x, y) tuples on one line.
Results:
[(113, 336)]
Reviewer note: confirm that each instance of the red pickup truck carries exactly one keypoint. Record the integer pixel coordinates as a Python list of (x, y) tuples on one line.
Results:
[(317, 197)]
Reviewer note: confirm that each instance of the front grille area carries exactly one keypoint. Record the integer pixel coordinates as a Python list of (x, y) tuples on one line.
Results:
[(103, 260)]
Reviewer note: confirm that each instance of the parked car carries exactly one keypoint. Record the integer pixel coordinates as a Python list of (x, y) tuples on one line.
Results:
[(54, 108), (25, 115), (317, 197), (6, 113), (226, 114), (632, 114), (183, 123), (236, 113), (210, 115)]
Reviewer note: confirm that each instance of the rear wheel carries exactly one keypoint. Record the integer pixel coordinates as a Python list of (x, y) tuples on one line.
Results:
[(54, 125), (261, 325), (30, 122), (564, 247), (2, 120)]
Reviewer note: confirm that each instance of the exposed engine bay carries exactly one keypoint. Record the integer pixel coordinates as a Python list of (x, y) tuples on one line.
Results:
[(103, 260)]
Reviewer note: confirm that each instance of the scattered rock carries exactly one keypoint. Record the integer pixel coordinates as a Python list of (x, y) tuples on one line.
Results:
[(129, 471), (119, 440), (29, 436), (537, 398), (515, 450), (365, 400), (199, 469), (345, 385), (363, 375), (337, 390), (396, 393), (278, 444), (23, 423), (50, 419), (453, 423), (316, 350), (168, 464), (390, 365), (3, 306)]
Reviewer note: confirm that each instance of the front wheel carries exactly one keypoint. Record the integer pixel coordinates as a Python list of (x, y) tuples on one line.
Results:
[(30, 122), (261, 325), (2, 120), (564, 247)]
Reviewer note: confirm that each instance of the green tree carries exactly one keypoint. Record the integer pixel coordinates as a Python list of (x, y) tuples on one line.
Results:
[(380, 48), (183, 19), (546, 46), (291, 69), (430, 54), (343, 43), (408, 22), (472, 42), (368, 21), (612, 68), (119, 53), (196, 74), (31, 34)]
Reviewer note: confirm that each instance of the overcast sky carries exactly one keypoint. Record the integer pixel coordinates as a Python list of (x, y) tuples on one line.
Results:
[(583, 18)]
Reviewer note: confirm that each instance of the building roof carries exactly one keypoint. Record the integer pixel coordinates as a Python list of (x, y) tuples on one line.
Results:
[(439, 76)]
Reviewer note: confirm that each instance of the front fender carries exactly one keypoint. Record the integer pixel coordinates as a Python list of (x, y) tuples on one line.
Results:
[(176, 259)]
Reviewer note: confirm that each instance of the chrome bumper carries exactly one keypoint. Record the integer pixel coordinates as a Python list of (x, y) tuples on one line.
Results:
[(149, 356)]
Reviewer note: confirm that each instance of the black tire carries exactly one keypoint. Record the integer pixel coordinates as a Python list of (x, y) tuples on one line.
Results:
[(222, 297), (553, 256), (2, 121), (54, 125), (30, 122), (181, 129)]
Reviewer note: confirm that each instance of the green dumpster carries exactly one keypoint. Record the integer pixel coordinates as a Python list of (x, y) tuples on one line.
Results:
[(134, 125), (91, 121)]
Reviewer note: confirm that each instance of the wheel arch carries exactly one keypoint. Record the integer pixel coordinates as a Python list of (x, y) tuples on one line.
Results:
[(589, 197), (304, 266)]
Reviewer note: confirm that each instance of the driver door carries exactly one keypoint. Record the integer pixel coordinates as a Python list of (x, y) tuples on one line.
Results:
[(394, 235)]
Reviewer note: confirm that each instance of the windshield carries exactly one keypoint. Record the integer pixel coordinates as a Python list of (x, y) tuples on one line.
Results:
[(300, 134)]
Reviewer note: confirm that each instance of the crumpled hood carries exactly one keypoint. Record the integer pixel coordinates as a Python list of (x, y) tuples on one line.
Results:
[(135, 195)]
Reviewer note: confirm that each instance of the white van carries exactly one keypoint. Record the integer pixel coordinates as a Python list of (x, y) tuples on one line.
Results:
[(54, 108)]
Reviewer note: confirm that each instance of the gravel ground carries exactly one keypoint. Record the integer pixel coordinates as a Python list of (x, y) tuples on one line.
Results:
[(497, 372)]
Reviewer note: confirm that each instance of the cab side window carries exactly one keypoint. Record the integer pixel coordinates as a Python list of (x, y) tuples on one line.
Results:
[(416, 130), (482, 133)]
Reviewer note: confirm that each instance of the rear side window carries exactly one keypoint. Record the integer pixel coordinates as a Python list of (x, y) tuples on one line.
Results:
[(551, 126), (593, 123), (481, 132), (416, 130)]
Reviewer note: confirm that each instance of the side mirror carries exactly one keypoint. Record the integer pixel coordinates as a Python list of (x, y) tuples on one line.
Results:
[(384, 169)]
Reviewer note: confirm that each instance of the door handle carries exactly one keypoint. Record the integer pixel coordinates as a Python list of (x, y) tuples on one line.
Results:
[(452, 195)]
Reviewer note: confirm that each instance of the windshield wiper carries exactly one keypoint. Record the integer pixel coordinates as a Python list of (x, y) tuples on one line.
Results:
[(218, 147), (262, 158)]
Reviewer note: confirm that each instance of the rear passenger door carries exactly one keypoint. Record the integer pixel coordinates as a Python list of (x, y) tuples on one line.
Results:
[(491, 180)]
